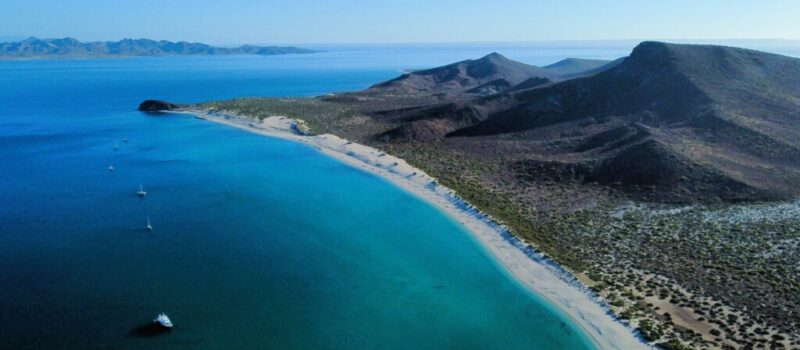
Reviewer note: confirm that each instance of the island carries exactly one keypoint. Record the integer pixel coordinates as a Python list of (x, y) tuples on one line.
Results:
[(666, 182), (68, 48)]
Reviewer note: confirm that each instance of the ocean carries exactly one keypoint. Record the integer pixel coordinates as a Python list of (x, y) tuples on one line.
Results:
[(256, 242)]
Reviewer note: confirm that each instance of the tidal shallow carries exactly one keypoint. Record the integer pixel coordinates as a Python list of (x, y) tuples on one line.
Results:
[(257, 242)]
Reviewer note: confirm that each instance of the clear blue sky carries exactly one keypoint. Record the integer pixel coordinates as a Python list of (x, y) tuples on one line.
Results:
[(351, 21)]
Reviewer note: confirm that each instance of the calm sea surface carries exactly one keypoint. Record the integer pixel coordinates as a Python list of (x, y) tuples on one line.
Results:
[(257, 242)]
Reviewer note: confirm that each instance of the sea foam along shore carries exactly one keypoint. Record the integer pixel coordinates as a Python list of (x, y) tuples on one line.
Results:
[(531, 269)]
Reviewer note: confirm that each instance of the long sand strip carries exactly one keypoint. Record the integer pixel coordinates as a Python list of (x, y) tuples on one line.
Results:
[(520, 260)]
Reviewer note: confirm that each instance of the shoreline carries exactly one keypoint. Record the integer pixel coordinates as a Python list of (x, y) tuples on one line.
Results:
[(533, 271)]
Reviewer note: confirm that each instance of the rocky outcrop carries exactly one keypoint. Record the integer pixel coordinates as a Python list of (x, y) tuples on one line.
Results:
[(158, 106)]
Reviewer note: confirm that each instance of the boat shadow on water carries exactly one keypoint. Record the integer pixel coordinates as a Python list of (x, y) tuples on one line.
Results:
[(147, 330)]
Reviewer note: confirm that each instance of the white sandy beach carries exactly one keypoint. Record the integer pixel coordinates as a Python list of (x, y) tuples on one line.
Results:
[(539, 275)]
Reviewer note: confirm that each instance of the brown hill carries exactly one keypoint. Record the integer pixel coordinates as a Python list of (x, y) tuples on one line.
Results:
[(671, 123), (487, 75), (675, 122)]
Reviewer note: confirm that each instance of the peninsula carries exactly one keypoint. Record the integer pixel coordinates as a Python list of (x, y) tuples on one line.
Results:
[(67, 48), (664, 181)]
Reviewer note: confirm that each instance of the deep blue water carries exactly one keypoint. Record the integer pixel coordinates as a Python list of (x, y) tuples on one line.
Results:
[(258, 243)]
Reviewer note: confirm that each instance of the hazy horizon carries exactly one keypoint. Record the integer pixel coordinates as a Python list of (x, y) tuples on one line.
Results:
[(715, 41), (352, 22)]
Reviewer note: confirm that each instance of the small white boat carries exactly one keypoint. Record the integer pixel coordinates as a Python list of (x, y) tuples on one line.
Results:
[(110, 168), (141, 192), (124, 139), (163, 320), (150, 228)]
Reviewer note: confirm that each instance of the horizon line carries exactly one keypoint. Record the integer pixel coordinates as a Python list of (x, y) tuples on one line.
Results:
[(454, 42)]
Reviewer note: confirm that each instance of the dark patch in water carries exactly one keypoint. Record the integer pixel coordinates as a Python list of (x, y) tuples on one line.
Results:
[(149, 329), (565, 328)]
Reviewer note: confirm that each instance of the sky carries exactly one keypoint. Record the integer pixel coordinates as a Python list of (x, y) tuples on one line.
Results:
[(410, 21)]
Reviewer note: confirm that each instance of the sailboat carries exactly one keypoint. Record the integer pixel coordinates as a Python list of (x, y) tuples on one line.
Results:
[(141, 192), (116, 146), (110, 168), (149, 227)]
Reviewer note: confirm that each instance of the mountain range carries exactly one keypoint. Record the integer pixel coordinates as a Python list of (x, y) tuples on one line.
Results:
[(72, 48), (674, 122)]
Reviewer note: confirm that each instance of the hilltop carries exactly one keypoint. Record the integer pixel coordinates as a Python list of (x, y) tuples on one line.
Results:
[(34, 48), (487, 75), (576, 67)]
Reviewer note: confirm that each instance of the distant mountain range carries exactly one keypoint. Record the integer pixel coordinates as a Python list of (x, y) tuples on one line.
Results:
[(33, 48)]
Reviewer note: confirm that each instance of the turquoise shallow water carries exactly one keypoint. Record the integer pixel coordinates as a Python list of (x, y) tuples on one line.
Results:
[(258, 242)]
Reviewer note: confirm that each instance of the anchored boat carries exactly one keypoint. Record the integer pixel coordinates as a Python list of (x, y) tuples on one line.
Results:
[(141, 192), (163, 320)]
